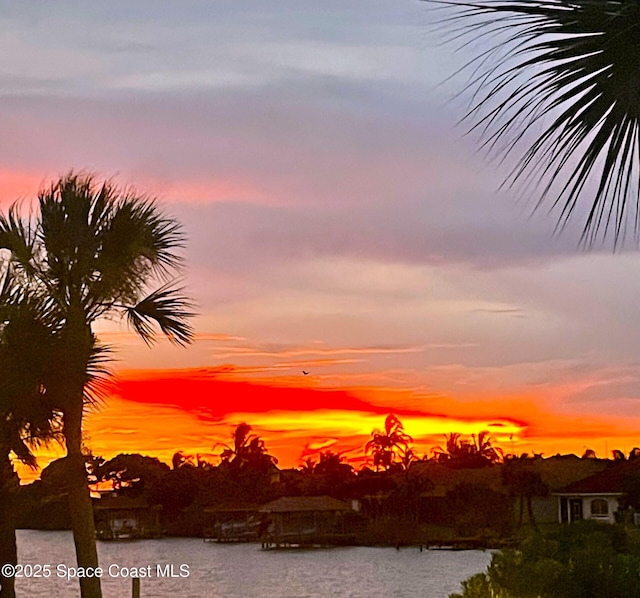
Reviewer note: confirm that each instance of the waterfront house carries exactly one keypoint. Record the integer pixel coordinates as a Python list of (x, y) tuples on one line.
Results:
[(304, 520), (595, 498), (123, 517), (557, 474), (232, 523)]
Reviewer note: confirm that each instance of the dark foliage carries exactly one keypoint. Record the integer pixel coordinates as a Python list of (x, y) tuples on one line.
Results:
[(557, 84)]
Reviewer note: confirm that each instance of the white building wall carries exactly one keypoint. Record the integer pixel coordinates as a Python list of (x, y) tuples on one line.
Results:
[(612, 503), (586, 501)]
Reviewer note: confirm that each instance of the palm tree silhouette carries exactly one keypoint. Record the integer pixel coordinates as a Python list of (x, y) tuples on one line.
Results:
[(559, 86), (181, 460), (475, 452), (333, 465), (483, 448), (26, 416), (385, 445), (89, 252), (248, 451), (451, 450), (308, 466)]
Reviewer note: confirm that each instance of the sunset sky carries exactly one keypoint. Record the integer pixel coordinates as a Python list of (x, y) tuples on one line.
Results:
[(339, 222)]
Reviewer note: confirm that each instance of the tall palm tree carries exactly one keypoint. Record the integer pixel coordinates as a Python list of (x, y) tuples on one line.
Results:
[(90, 250), (385, 445), (558, 85)]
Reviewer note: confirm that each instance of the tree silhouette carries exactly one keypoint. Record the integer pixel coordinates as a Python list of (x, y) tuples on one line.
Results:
[(89, 251), (386, 445), (524, 483), (475, 452), (308, 466), (484, 449), (248, 451), (132, 472), (451, 450), (559, 86), (26, 415), (407, 457), (333, 466), (618, 455), (180, 460)]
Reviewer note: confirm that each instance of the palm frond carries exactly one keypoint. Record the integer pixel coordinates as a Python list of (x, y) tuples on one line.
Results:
[(18, 237), (139, 231), (99, 381), (163, 235), (167, 308), (27, 342), (20, 447), (103, 242), (136, 243), (564, 74)]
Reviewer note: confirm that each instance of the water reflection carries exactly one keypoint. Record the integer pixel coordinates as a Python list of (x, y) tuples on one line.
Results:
[(244, 570)]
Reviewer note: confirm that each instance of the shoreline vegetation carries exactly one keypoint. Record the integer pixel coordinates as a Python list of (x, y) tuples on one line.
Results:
[(581, 560), (466, 495)]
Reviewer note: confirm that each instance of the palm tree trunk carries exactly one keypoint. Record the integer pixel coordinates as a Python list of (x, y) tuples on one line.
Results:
[(82, 524), (8, 546), (8, 550), (8, 554)]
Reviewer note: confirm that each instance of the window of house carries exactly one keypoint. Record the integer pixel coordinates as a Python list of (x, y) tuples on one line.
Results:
[(599, 506)]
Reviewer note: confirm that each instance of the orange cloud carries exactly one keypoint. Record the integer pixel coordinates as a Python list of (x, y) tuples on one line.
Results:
[(296, 419), (194, 410)]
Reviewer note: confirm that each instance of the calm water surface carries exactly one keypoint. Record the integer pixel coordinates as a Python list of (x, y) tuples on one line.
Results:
[(246, 571)]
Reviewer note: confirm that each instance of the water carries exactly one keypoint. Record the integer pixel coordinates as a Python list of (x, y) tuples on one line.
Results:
[(246, 571)]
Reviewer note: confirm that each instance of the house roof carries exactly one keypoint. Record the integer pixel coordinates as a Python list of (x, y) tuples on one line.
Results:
[(610, 481), (230, 508), (292, 504), (435, 492), (122, 502)]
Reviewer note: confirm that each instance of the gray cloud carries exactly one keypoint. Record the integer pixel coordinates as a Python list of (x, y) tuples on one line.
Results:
[(161, 44)]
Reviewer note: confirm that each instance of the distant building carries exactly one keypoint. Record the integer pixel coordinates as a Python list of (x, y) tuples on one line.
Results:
[(304, 520), (557, 474), (123, 518), (595, 498), (232, 523)]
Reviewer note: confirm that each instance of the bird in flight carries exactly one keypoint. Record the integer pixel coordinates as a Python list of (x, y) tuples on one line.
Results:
[(305, 373)]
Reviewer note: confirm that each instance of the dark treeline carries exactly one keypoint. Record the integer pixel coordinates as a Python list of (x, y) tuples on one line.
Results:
[(465, 488)]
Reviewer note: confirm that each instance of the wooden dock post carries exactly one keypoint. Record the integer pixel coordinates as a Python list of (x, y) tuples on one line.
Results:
[(135, 587)]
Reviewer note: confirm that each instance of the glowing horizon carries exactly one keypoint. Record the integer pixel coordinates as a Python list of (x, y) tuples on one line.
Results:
[(160, 412)]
